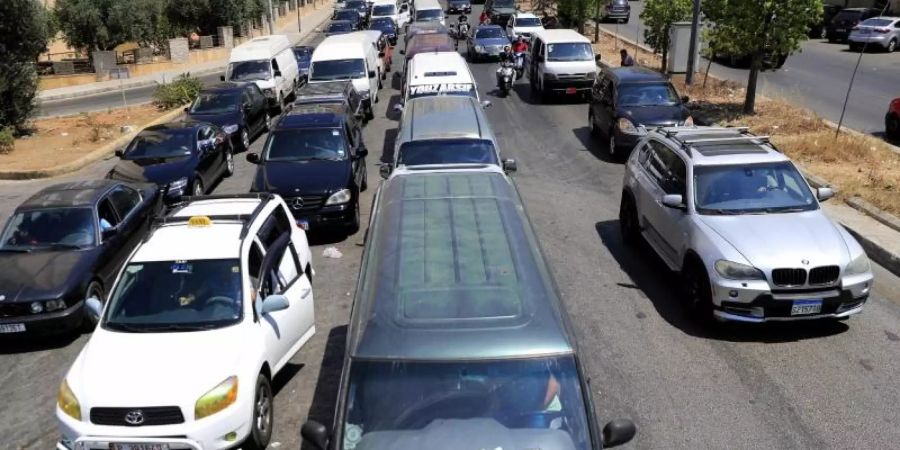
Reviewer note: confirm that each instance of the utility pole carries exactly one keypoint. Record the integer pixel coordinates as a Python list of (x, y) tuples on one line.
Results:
[(271, 13), (597, 23), (692, 48)]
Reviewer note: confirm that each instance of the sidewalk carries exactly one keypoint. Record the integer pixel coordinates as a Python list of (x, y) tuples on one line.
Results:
[(309, 22)]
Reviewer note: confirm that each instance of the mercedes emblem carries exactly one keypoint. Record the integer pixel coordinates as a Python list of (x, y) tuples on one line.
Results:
[(134, 417), (297, 202)]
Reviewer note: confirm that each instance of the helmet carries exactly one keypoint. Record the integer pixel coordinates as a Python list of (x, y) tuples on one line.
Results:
[(463, 18), (507, 48), (521, 38)]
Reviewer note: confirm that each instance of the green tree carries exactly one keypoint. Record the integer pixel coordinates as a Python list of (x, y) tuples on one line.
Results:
[(759, 27), (194, 15), (658, 17), (86, 24), (574, 13), (25, 30)]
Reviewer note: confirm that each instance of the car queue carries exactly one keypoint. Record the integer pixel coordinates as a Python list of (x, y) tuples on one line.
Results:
[(514, 375)]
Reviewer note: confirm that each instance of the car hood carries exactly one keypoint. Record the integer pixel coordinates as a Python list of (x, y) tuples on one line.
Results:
[(155, 369), (290, 179), (655, 115), (492, 41), (155, 170), (230, 118), (43, 275), (503, 11), (807, 236)]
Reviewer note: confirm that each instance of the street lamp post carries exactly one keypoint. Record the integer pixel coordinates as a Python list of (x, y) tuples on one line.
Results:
[(692, 48), (299, 24)]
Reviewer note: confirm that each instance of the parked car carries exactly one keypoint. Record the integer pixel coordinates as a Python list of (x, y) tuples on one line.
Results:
[(819, 28), (220, 289), (240, 109), (362, 9), (500, 10), (339, 92), (881, 33), (892, 120), (736, 219), (416, 29), (386, 26), (560, 61), (182, 158), (487, 41), (522, 24), (64, 245), (627, 100), (337, 27), (349, 15), (269, 62), (315, 159), (844, 21), (459, 6), (303, 53), (616, 11)]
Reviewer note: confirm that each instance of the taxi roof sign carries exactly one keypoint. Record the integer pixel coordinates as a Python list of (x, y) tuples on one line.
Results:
[(199, 221)]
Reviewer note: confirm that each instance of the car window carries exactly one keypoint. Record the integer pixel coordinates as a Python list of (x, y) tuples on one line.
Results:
[(43, 228), (254, 261), (277, 224), (289, 266), (350, 137), (666, 168), (125, 200), (275, 65), (106, 215), (751, 189), (246, 98)]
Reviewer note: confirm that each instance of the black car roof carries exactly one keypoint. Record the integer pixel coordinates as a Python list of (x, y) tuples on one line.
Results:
[(453, 272), (76, 193), (636, 75), (312, 116), (225, 86), (177, 125)]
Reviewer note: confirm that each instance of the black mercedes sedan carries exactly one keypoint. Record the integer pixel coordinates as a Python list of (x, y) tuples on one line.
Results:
[(386, 26), (64, 245), (182, 158), (240, 109)]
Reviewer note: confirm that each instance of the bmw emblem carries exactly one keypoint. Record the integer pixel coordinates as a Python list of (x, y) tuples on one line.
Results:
[(805, 262), (134, 417)]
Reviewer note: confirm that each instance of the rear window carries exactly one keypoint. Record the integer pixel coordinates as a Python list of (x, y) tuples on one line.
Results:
[(428, 14), (848, 15), (528, 22), (447, 151), (488, 33), (383, 10), (877, 22)]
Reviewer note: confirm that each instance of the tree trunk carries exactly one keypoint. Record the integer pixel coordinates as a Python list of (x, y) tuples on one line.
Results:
[(750, 99), (665, 59)]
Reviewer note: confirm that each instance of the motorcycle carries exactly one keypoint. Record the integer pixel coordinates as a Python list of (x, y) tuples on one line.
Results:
[(519, 59), (505, 76)]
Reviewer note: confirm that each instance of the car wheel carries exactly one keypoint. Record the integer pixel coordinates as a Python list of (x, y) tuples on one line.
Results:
[(197, 187), (245, 139), (365, 177), (854, 47), (823, 33), (93, 290), (628, 221), (891, 46), (353, 227), (370, 113), (593, 126), (892, 126), (229, 163), (697, 292), (612, 142), (262, 418)]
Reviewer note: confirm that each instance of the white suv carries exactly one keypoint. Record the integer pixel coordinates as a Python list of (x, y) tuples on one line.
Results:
[(734, 216), (206, 311)]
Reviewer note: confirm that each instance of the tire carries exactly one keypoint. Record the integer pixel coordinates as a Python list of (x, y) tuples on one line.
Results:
[(628, 221), (370, 112), (263, 417), (892, 126), (245, 139), (611, 145), (593, 126), (697, 292), (892, 46), (365, 178), (353, 226), (93, 289), (854, 47), (197, 186), (229, 163)]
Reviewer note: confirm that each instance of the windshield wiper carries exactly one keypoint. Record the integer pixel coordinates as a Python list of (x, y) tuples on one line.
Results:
[(720, 212), (60, 246), (184, 327), (126, 327), (784, 209)]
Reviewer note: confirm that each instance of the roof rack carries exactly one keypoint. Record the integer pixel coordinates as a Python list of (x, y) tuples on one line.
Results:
[(731, 135), (245, 219)]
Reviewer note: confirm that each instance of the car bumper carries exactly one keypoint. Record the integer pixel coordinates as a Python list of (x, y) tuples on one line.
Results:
[(836, 35), (487, 52), (625, 142), (327, 216), (880, 39), (45, 324), (204, 434), (617, 15), (566, 86), (754, 302), (456, 9)]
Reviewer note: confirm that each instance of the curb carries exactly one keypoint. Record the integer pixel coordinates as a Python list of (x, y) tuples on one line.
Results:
[(94, 155)]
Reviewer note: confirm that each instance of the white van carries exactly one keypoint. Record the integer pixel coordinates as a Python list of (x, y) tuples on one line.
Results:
[(269, 62), (390, 8), (428, 11), (560, 62), (439, 74), (351, 56)]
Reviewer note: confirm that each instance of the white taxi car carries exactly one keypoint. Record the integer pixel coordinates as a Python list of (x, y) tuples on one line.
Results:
[(203, 315)]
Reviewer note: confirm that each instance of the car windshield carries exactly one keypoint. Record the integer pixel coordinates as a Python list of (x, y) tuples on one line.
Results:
[(49, 228), (356, 4), (383, 24), (176, 296), (306, 144), (215, 103), (570, 52), (528, 22), (160, 144), (383, 10), (505, 4), (447, 151), (647, 94), (249, 70), (428, 14), (876, 22), (337, 27), (535, 402), (488, 33), (751, 189), (337, 69), (346, 14)]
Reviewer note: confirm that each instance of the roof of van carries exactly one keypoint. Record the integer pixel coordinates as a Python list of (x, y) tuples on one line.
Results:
[(443, 117), (428, 4), (340, 46), (453, 271), (263, 47), (439, 67), (555, 36)]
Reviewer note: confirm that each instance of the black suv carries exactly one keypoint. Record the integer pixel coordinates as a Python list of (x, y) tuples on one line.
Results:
[(843, 22), (624, 98), (314, 158)]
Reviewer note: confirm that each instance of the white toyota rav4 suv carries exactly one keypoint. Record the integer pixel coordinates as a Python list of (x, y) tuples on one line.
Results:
[(206, 311)]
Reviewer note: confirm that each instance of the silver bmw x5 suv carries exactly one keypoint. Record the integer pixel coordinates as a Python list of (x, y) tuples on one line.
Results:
[(738, 221)]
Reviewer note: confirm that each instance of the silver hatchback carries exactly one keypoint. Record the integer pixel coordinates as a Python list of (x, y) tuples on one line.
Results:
[(877, 32), (738, 221)]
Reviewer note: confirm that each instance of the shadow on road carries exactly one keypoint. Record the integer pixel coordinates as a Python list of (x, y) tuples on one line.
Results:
[(13, 345), (284, 376), (662, 286), (390, 114), (322, 408), (387, 149), (596, 146), (326, 236)]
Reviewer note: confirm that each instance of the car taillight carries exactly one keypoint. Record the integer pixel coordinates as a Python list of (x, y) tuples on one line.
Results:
[(883, 30), (854, 29)]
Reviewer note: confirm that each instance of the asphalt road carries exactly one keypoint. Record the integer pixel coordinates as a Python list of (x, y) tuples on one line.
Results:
[(817, 77), (802, 385)]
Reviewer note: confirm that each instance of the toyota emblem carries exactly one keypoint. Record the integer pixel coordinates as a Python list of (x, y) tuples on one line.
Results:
[(297, 202), (135, 417)]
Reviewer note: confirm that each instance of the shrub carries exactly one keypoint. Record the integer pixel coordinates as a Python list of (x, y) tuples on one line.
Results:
[(179, 92), (7, 142)]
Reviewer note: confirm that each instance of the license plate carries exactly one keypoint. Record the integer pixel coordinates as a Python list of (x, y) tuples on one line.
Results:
[(12, 328), (303, 224), (805, 307), (114, 446), (571, 90)]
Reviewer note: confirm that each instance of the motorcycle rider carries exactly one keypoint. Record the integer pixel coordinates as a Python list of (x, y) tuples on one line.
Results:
[(462, 28), (506, 60), (518, 53), (484, 18)]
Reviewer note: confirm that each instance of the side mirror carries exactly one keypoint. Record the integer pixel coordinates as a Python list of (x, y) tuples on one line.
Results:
[(685, 99), (253, 158), (371, 74), (362, 153), (385, 170), (509, 165), (109, 232), (120, 153), (315, 433), (486, 104), (274, 303), (824, 193), (94, 308), (221, 77), (673, 201), (618, 432)]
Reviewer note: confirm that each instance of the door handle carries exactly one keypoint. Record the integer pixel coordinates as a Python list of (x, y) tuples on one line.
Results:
[(305, 293)]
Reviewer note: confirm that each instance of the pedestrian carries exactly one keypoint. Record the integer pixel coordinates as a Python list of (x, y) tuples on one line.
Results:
[(627, 60)]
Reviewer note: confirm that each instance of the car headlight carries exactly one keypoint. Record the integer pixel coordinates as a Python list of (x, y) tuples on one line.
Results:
[(230, 129), (365, 95), (339, 197), (479, 48), (738, 271), (53, 305), (217, 399), (67, 402), (689, 122), (177, 187), (628, 127), (858, 266)]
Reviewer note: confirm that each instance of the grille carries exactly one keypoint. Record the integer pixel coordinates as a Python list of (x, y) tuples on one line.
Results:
[(789, 277), (824, 275), (310, 203), (570, 76), (154, 415), (15, 309)]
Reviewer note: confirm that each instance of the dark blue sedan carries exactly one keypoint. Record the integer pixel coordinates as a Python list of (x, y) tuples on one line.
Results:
[(387, 27)]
